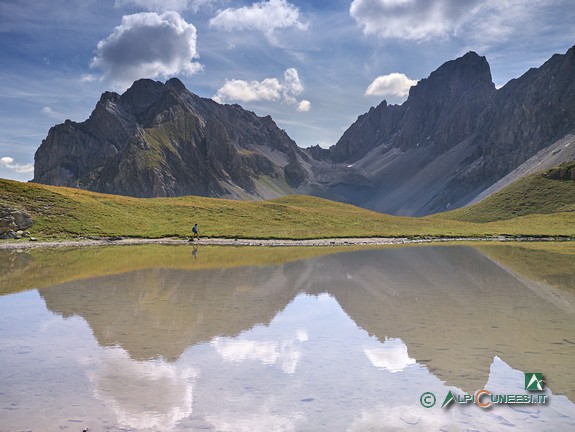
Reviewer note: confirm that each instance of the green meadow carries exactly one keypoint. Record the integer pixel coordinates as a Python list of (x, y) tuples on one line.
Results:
[(534, 206)]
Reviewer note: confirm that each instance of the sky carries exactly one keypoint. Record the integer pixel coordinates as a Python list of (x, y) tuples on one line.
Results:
[(314, 66)]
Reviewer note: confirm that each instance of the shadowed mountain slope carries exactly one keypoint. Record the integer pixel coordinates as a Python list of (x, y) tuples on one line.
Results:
[(454, 137)]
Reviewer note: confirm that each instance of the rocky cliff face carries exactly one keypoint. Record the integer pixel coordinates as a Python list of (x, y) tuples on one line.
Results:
[(162, 140), (454, 137), (441, 109)]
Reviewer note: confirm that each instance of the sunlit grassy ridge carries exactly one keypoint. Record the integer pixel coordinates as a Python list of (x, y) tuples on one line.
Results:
[(533, 194), (534, 206), (66, 212)]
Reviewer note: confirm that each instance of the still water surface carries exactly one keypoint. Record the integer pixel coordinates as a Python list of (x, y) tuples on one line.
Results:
[(341, 342)]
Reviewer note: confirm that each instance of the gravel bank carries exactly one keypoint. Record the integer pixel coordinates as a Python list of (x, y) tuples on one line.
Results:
[(24, 244)]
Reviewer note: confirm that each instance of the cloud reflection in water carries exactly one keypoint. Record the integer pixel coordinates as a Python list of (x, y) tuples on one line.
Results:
[(143, 394)]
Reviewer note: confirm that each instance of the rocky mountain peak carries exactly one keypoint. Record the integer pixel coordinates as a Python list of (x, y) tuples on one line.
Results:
[(142, 95), (109, 97), (470, 72), (160, 139), (440, 110), (176, 85)]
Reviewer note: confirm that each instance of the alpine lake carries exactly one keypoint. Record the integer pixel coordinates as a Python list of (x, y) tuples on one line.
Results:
[(457, 337)]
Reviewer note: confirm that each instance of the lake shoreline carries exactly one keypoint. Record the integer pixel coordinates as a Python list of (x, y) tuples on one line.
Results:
[(352, 241)]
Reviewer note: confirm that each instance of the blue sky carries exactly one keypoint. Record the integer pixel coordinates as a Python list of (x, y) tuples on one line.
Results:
[(314, 66)]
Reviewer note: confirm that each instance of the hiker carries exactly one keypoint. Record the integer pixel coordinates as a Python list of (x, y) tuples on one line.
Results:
[(196, 231)]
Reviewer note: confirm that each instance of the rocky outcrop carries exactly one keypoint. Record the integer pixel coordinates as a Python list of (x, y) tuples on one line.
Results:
[(319, 153), (563, 172), (455, 136), (13, 222), (162, 140)]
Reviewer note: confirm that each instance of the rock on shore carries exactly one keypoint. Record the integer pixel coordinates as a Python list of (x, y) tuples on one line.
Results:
[(13, 222)]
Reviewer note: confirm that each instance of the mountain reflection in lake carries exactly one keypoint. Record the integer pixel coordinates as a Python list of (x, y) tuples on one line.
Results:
[(341, 342)]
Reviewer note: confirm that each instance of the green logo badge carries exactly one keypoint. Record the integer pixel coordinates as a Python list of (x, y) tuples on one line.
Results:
[(427, 399), (448, 399), (534, 381)]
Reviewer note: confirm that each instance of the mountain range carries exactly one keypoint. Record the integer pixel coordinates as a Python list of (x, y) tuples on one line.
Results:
[(455, 140)]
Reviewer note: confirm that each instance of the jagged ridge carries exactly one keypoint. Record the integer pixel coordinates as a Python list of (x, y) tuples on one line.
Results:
[(455, 136), (162, 140)]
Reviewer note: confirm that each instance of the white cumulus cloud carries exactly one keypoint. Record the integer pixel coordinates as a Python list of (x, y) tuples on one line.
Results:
[(147, 45), (8, 162), (269, 89), (394, 84), (292, 85), (304, 106), (413, 19), (265, 17)]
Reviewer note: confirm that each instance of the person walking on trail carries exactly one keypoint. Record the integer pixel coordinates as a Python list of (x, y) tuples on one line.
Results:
[(195, 231)]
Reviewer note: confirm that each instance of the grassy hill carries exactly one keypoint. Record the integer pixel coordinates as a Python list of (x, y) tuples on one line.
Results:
[(544, 193), (64, 212), (535, 206)]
